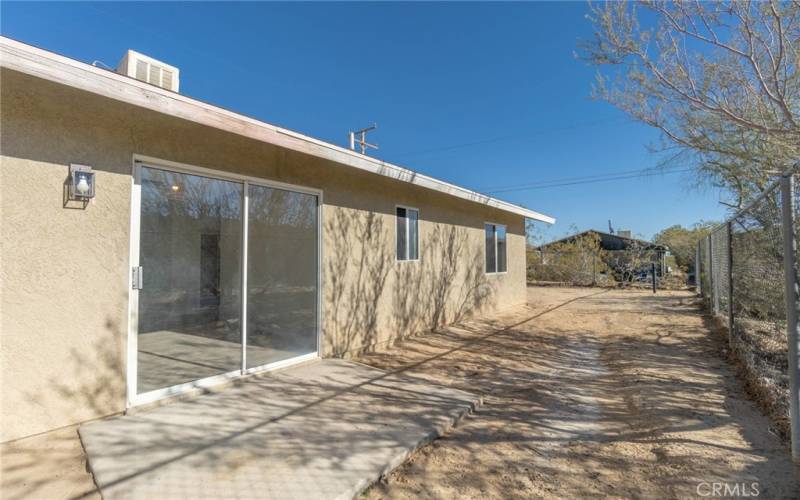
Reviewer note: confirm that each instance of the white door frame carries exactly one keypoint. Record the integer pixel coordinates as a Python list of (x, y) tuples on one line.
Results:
[(134, 399)]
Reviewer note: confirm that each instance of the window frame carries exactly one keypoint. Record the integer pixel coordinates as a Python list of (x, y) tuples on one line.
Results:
[(133, 398), (496, 254), (408, 234)]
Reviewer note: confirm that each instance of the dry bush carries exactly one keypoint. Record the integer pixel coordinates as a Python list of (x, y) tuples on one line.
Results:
[(579, 262), (759, 348)]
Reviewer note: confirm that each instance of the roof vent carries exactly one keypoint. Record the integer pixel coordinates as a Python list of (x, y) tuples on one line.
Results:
[(149, 70)]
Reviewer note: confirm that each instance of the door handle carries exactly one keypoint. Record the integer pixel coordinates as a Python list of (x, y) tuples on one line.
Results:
[(136, 277)]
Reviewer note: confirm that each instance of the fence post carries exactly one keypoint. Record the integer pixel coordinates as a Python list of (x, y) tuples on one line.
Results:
[(730, 282), (711, 286), (792, 304), (653, 271), (697, 281)]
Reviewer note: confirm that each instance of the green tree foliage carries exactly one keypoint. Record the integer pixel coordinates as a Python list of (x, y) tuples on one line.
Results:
[(682, 241), (720, 80)]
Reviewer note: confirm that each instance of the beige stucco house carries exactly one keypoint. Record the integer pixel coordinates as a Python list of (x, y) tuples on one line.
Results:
[(153, 244)]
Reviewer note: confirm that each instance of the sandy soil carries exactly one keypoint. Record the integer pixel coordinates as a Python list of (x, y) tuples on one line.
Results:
[(49, 466), (591, 393)]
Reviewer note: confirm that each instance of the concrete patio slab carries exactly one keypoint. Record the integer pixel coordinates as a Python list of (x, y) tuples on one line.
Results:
[(170, 358), (325, 429)]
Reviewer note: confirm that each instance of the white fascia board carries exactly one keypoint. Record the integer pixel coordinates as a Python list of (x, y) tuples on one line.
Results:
[(47, 65)]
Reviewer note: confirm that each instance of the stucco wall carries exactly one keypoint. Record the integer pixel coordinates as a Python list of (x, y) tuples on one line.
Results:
[(65, 271)]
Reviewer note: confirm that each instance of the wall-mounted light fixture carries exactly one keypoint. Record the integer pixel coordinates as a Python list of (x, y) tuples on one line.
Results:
[(81, 182), (79, 186)]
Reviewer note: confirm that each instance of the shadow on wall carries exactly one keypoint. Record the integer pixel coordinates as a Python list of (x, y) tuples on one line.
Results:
[(446, 285), (100, 373), (102, 392), (356, 276), (29, 465)]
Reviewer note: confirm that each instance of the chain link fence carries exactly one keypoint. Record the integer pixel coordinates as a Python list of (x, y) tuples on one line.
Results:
[(720, 253), (743, 273), (702, 265)]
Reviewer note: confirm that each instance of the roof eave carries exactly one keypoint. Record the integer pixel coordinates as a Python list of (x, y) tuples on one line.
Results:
[(47, 65)]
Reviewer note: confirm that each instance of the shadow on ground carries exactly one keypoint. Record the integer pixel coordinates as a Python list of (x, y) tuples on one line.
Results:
[(617, 393)]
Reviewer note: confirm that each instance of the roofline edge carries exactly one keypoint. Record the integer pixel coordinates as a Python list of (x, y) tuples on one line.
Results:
[(48, 65)]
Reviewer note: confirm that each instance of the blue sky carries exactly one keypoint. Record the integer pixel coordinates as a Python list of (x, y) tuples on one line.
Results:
[(482, 95)]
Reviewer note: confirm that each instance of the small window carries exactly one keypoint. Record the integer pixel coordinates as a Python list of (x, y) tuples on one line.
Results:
[(496, 261), (407, 233)]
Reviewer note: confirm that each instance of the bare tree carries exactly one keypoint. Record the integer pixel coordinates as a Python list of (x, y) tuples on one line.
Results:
[(719, 79)]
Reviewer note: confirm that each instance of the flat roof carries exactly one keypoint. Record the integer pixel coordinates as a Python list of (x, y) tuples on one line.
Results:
[(48, 65)]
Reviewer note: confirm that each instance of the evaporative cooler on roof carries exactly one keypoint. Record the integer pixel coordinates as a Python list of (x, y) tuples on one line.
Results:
[(149, 70)]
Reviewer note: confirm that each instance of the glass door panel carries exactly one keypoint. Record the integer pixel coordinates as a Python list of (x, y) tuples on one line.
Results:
[(281, 275), (190, 302)]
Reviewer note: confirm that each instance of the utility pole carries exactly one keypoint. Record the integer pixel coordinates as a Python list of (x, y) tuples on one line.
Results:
[(362, 139)]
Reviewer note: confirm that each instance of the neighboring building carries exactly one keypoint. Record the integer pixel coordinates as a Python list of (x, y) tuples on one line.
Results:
[(616, 247), (214, 245), (624, 233)]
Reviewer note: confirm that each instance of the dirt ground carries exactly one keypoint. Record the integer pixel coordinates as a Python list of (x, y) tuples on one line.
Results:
[(591, 393), (587, 393), (49, 466)]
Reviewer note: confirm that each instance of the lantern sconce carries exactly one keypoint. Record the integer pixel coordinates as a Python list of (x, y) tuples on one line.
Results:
[(79, 186)]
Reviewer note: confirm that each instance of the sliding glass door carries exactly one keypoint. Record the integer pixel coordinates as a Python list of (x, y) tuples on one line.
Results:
[(216, 258), (281, 275), (190, 303)]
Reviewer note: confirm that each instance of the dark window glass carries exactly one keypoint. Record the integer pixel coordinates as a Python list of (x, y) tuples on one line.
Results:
[(402, 246), (491, 266), (209, 269), (501, 249), (413, 234)]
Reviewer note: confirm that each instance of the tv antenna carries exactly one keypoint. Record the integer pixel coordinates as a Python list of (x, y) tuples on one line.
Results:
[(362, 139)]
